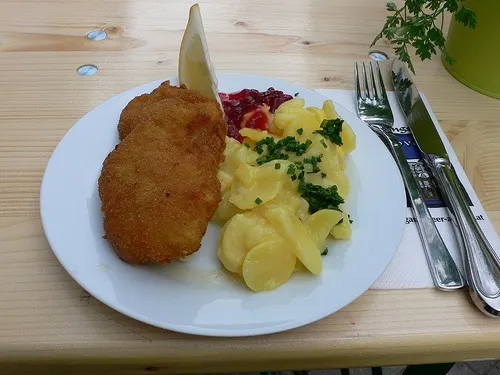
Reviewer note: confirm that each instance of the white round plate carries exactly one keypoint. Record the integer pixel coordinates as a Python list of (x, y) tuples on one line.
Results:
[(196, 296)]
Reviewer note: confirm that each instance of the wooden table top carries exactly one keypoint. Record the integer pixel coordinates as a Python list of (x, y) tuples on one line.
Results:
[(47, 319)]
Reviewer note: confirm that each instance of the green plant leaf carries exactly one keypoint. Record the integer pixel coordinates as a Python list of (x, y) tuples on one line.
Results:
[(414, 24), (467, 17), (391, 6), (451, 5)]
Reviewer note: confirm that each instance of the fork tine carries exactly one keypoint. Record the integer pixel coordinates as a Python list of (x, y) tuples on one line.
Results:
[(383, 92), (365, 81), (356, 81), (374, 85)]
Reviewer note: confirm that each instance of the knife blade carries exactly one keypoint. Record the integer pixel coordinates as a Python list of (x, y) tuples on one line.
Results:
[(481, 262)]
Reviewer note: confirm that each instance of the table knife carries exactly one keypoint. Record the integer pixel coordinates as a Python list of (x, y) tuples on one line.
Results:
[(481, 262)]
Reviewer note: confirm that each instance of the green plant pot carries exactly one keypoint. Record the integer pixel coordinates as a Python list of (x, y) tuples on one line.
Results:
[(477, 52)]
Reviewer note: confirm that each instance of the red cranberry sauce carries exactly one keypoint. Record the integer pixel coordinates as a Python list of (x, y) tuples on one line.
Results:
[(253, 103)]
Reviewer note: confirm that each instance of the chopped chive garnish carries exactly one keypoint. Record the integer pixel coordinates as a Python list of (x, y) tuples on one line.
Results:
[(301, 176), (276, 150), (325, 252), (261, 160), (331, 129), (320, 198), (247, 145), (259, 146), (296, 94), (317, 196)]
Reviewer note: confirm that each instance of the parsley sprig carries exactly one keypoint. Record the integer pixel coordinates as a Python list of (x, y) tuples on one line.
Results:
[(419, 23)]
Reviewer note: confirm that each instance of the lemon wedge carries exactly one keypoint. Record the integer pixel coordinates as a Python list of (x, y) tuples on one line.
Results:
[(195, 68)]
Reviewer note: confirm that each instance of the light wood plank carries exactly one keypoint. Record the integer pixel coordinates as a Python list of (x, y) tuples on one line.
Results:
[(49, 324)]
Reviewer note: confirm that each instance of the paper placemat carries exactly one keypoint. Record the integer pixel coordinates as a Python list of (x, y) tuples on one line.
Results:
[(408, 268)]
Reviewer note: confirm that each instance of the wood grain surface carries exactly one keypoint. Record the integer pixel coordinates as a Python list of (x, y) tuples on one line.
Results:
[(49, 324)]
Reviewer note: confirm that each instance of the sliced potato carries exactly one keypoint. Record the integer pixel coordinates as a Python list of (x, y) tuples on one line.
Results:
[(274, 129), (321, 223), (318, 113), (297, 204), (226, 209), (295, 232), (231, 145), (254, 134), (240, 154), (292, 111), (299, 267), (291, 199), (232, 249), (341, 154), (329, 110), (246, 175), (343, 230), (347, 134), (222, 232), (248, 143), (258, 233), (225, 180), (294, 103), (268, 265), (305, 120), (348, 138), (253, 186), (339, 178), (281, 119)]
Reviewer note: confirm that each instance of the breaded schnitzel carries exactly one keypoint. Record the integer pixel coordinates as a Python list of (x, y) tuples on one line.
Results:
[(159, 187), (134, 112)]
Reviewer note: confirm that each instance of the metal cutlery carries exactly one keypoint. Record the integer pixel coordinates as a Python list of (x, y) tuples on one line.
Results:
[(481, 262), (374, 109)]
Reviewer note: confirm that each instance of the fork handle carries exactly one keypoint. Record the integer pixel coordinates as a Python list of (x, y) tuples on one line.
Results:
[(443, 269)]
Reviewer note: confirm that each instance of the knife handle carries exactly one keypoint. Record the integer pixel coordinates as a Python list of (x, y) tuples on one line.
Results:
[(481, 262), (444, 271)]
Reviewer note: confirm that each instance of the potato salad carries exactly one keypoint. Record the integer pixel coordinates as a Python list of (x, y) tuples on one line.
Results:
[(283, 193)]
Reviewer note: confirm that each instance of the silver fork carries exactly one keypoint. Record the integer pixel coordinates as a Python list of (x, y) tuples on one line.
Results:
[(374, 109)]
